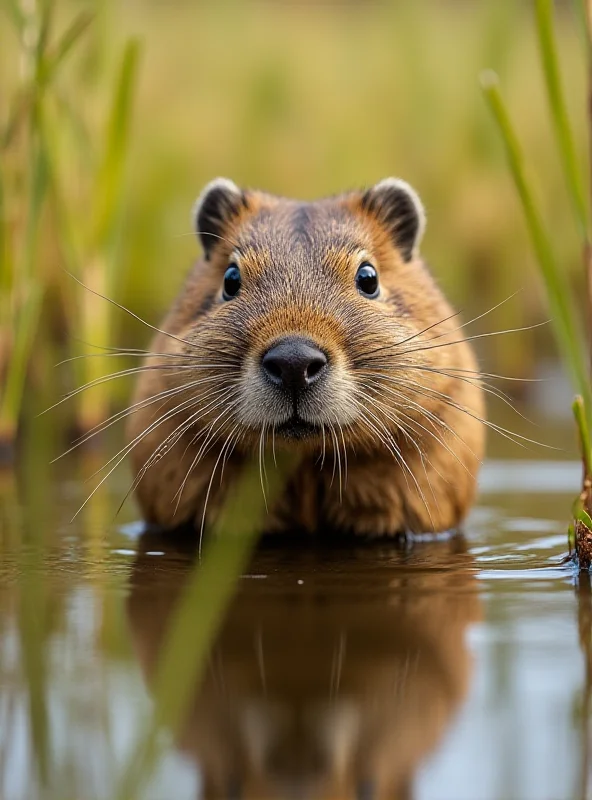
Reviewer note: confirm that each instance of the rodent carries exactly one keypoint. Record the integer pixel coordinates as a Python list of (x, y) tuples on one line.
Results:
[(314, 327), (349, 698)]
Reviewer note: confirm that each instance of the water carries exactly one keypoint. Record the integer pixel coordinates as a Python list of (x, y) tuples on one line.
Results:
[(446, 670)]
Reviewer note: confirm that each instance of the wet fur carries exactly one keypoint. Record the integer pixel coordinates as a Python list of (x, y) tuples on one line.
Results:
[(402, 436)]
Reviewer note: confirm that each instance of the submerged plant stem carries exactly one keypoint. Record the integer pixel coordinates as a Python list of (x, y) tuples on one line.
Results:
[(199, 614)]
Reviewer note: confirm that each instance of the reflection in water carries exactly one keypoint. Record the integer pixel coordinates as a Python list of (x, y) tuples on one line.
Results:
[(335, 673)]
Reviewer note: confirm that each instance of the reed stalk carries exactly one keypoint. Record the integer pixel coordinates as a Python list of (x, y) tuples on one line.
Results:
[(209, 588), (574, 347), (35, 206), (103, 271)]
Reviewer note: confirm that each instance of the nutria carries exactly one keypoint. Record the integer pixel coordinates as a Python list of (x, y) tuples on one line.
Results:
[(315, 328)]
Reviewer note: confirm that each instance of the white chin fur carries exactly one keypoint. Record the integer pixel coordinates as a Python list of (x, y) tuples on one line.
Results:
[(263, 405)]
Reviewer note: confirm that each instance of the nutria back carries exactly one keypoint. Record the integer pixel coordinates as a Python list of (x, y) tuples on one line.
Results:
[(318, 329)]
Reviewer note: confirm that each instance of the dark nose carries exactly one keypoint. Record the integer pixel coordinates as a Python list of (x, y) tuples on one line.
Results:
[(294, 363)]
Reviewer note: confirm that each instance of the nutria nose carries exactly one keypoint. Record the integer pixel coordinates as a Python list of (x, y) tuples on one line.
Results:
[(294, 363)]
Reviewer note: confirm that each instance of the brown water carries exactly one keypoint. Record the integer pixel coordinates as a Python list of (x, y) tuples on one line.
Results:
[(446, 670)]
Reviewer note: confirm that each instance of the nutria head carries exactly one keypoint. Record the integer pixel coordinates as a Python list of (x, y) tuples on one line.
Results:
[(305, 305), (315, 326)]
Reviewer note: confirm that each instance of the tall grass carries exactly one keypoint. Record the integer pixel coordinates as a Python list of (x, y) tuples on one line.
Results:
[(564, 304), (199, 614), (42, 230), (81, 189)]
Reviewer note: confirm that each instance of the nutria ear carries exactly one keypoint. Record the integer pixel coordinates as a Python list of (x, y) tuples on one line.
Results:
[(397, 206), (219, 202)]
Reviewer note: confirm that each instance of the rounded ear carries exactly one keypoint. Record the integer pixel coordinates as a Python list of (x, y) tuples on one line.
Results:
[(219, 202), (397, 206)]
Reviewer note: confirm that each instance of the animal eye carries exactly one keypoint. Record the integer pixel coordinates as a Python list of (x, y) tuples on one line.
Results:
[(367, 280), (232, 282)]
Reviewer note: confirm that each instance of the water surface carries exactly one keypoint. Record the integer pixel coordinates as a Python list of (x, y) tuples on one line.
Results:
[(452, 669)]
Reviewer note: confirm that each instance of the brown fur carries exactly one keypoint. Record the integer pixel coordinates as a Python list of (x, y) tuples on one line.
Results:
[(401, 385), (324, 689)]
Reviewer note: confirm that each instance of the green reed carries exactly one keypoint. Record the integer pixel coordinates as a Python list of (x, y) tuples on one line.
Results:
[(196, 620), (566, 310), (44, 229), (67, 140)]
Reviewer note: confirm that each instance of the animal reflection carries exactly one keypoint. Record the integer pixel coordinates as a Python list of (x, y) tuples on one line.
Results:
[(333, 676)]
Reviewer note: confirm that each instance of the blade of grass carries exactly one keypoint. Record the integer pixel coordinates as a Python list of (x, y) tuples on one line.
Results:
[(109, 179), (69, 38), (26, 327), (15, 12), (586, 19), (6, 271), (582, 17), (22, 105), (199, 614), (563, 309), (28, 291), (102, 272), (565, 143), (584, 433)]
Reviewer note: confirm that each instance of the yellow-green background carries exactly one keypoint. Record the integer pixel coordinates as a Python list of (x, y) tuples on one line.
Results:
[(301, 99)]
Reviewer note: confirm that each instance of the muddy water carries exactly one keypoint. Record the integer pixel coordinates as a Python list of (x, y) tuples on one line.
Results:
[(448, 669)]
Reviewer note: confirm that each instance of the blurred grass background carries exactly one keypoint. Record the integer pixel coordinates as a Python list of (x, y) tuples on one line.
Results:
[(114, 115), (151, 100)]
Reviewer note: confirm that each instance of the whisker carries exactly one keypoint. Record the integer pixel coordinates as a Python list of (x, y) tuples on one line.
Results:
[(120, 352), (126, 373), (127, 310), (171, 440), (139, 406), (401, 460), (486, 335), (234, 245), (184, 406), (334, 440), (200, 453), (442, 321), (207, 497), (344, 454), (273, 443), (510, 435), (486, 387), (430, 418)]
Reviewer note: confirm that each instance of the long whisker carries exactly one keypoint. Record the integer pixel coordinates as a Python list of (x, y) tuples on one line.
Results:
[(442, 321), (128, 311), (486, 335), (171, 440), (435, 421), (200, 453), (471, 381), (207, 497), (162, 449), (133, 371), (334, 440), (324, 448), (400, 459), (207, 233), (126, 412), (120, 352), (516, 438)]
